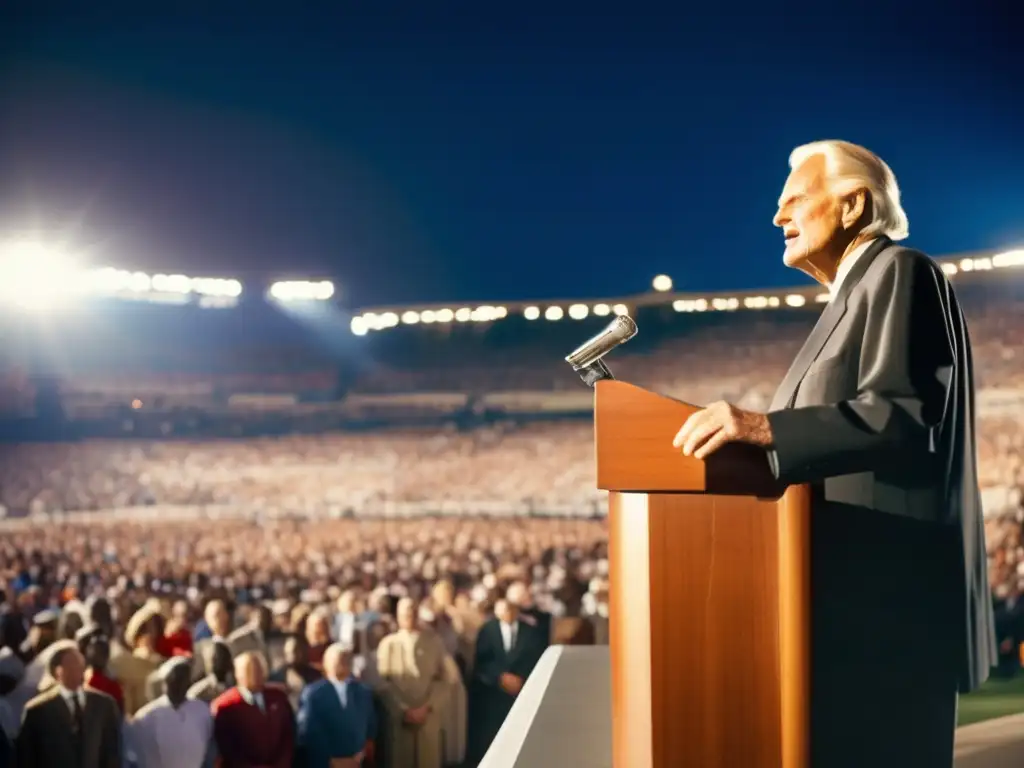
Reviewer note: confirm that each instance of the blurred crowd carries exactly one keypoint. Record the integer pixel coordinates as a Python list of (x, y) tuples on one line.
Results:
[(429, 626), (377, 597)]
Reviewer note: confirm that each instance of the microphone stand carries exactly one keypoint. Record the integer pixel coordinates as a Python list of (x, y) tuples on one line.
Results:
[(593, 373)]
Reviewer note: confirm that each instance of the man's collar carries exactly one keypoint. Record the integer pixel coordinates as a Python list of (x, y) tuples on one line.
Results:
[(68, 694), (846, 265)]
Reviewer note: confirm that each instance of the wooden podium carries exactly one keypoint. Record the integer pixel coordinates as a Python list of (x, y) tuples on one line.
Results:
[(709, 596)]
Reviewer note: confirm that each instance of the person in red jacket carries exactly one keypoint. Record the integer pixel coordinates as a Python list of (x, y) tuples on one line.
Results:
[(253, 725)]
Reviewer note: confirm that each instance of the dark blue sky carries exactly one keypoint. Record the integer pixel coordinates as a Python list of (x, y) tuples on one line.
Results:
[(474, 151)]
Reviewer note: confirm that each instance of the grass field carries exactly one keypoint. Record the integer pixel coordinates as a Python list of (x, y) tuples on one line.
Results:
[(994, 699)]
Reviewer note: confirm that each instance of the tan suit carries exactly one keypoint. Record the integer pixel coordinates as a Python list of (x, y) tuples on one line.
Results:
[(132, 671), (454, 715), (412, 671)]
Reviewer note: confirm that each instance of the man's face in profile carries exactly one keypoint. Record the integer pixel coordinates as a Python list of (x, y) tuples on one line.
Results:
[(809, 214)]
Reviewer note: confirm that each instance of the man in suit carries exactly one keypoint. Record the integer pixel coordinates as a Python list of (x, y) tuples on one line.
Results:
[(518, 593), (296, 673), (507, 650), (221, 677), (876, 414), (218, 619), (337, 717), (258, 635), (68, 725), (253, 725)]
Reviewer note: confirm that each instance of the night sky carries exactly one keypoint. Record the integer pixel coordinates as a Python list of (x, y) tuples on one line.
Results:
[(489, 151)]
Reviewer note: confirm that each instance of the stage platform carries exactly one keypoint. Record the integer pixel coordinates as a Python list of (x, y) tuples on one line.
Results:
[(563, 718)]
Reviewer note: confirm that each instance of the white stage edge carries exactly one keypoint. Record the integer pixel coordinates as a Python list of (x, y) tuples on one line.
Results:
[(563, 717)]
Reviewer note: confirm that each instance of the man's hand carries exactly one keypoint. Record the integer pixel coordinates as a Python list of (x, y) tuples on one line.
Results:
[(417, 715), (510, 683), (709, 429)]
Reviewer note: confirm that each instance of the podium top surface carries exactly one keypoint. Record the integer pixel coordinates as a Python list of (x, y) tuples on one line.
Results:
[(633, 431)]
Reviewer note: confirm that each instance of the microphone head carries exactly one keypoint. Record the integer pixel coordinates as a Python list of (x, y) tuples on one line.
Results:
[(618, 331)]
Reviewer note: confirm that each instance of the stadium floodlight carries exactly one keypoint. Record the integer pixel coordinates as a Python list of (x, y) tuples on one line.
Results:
[(359, 326), (795, 300), (35, 276), (1009, 259), (410, 317), (531, 313), (463, 315), (578, 311), (553, 313), (602, 310), (620, 309), (301, 290), (662, 283), (444, 315)]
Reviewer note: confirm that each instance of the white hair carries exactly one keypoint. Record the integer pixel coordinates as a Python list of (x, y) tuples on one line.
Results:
[(851, 167)]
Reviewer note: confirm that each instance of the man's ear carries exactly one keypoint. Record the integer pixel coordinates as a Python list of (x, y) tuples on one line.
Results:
[(852, 207)]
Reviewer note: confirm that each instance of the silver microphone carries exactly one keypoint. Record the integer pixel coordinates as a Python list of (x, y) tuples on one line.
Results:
[(619, 331)]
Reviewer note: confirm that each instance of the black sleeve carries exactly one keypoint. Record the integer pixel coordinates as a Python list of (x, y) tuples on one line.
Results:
[(487, 667), (25, 743), (112, 735), (901, 392)]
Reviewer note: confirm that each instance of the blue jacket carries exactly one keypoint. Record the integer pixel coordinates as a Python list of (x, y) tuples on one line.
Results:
[(328, 730)]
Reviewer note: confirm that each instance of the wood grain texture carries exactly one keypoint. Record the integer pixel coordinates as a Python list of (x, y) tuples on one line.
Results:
[(709, 597)]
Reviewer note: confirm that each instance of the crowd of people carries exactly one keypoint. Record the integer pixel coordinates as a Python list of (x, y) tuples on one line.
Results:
[(414, 574), (430, 627)]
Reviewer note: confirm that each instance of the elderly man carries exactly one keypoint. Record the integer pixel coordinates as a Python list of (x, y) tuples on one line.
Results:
[(337, 720), (253, 724), (876, 413), (507, 650), (412, 672), (172, 731)]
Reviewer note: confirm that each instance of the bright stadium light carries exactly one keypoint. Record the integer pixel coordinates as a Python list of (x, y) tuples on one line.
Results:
[(662, 283), (553, 313), (578, 311), (531, 313), (36, 277), (602, 310), (302, 290), (1009, 259)]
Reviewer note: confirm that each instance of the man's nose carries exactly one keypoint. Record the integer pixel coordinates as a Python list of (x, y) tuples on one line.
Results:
[(780, 219)]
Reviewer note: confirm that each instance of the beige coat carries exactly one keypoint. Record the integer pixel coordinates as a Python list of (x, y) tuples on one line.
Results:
[(412, 674)]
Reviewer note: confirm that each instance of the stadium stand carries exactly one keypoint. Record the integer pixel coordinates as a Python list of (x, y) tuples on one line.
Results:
[(263, 455)]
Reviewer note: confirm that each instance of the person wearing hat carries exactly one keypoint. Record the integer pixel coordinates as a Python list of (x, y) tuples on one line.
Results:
[(69, 725), (172, 731), (140, 635)]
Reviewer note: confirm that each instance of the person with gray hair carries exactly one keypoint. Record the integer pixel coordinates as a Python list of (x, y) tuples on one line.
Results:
[(876, 414), (337, 720)]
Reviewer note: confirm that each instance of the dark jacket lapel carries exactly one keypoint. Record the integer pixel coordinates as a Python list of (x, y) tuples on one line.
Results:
[(823, 329)]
